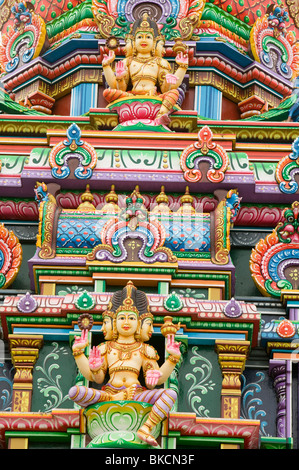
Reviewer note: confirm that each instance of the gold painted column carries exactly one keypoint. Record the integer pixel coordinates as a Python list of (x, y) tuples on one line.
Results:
[(24, 353), (232, 357)]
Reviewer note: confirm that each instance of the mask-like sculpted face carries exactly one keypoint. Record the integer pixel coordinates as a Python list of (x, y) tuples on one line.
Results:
[(126, 323), (144, 42), (107, 328), (147, 329)]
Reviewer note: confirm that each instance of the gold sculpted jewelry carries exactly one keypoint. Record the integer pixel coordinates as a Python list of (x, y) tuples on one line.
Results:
[(173, 359), (125, 350), (146, 60), (78, 352), (102, 367), (183, 66)]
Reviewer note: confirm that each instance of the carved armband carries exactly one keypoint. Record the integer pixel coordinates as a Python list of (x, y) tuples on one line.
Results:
[(78, 352), (183, 66), (103, 368), (173, 359)]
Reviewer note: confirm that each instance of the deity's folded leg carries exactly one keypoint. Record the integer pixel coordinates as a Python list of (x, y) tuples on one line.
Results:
[(111, 94), (169, 98), (85, 396)]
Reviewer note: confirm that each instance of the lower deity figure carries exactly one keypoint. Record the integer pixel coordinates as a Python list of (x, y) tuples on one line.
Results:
[(128, 322)]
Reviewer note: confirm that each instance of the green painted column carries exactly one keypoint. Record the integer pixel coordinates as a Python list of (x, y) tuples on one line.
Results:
[(100, 285), (163, 288)]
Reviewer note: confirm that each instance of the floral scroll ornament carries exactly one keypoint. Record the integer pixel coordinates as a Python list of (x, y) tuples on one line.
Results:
[(274, 262), (272, 46), (205, 150), (287, 169), (49, 383), (202, 383), (10, 257), (26, 41), (73, 147)]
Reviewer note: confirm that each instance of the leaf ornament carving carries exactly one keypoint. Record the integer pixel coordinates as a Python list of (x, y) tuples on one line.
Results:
[(274, 262), (287, 169), (146, 241), (190, 22), (104, 22), (73, 147), (205, 150), (22, 45), (275, 49), (10, 257)]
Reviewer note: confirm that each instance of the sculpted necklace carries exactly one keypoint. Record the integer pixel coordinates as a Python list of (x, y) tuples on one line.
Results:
[(145, 60), (125, 350)]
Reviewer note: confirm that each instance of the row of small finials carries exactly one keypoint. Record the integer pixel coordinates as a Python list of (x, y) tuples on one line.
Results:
[(111, 199)]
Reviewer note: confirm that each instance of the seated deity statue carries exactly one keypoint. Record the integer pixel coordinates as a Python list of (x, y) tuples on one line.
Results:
[(144, 71), (127, 324)]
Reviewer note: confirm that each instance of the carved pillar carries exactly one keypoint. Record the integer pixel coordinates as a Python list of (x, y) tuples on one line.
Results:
[(278, 372), (24, 353), (232, 357)]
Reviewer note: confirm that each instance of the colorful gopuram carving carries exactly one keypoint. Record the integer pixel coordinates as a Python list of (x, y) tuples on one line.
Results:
[(149, 226)]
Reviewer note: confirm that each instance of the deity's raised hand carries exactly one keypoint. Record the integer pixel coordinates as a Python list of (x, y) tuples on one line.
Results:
[(95, 359), (108, 59), (81, 341), (182, 59), (172, 347), (120, 69), (152, 377)]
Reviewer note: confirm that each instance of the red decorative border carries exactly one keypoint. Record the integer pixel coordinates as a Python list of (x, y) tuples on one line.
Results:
[(190, 425), (58, 420)]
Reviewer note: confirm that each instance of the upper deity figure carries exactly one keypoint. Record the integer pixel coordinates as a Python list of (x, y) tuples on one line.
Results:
[(144, 71), (127, 324)]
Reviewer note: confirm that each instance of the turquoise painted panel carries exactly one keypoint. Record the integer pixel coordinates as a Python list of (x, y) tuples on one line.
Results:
[(188, 234), (83, 97), (208, 102)]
